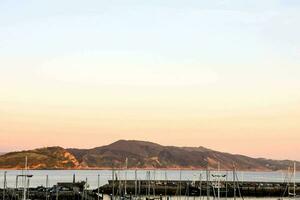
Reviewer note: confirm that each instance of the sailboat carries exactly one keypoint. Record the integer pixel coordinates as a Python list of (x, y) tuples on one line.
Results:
[(125, 196), (218, 181), (289, 177), (25, 180), (294, 194)]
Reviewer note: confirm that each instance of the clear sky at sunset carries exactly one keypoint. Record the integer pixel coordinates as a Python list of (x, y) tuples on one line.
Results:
[(221, 74)]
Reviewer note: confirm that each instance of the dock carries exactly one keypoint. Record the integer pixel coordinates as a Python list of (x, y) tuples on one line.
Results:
[(198, 188)]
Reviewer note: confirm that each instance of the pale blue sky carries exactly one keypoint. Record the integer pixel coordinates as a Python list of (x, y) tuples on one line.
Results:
[(230, 31), (163, 66)]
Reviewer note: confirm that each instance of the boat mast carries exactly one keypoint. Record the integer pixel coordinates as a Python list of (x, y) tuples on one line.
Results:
[(135, 183), (226, 185), (200, 186), (165, 184), (207, 183), (47, 183), (125, 183), (25, 180), (289, 177), (180, 184), (218, 180), (234, 184), (56, 195), (86, 187), (113, 182), (98, 190), (139, 192), (119, 192), (149, 186), (294, 179), (4, 185), (154, 178)]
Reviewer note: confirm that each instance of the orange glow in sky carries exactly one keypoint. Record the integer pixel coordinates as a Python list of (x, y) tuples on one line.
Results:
[(225, 76)]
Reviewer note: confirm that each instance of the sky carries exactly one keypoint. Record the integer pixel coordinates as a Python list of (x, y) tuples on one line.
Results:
[(224, 74)]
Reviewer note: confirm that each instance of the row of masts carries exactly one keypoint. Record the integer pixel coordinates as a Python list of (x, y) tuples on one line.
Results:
[(217, 182), (218, 178)]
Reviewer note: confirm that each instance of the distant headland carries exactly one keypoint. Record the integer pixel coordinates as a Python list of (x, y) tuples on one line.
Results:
[(139, 155)]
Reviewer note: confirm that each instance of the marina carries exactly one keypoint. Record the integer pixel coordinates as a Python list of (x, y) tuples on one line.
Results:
[(146, 184)]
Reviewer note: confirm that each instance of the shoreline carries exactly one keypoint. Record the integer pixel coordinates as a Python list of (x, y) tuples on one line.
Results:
[(141, 169)]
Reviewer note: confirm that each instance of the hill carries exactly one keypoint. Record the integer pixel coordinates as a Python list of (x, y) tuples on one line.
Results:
[(140, 154), (43, 158)]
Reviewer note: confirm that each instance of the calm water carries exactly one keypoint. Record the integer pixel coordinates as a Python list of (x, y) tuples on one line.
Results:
[(39, 176)]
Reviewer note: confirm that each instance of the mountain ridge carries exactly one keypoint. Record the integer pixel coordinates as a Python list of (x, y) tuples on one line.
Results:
[(140, 154)]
